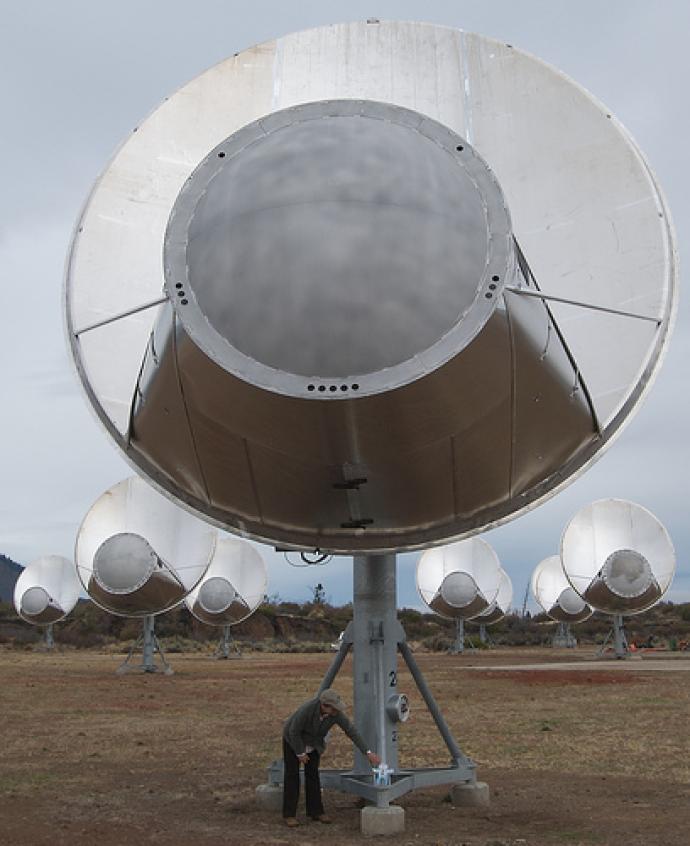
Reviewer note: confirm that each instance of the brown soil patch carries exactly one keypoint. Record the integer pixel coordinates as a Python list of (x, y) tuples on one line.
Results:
[(89, 757)]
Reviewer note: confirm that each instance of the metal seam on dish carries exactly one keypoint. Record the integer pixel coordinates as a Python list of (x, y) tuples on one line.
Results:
[(466, 88), (526, 270), (252, 479), (190, 428), (453, 472), (513, 396)]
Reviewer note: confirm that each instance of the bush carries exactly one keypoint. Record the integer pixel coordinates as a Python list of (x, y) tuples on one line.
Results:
[(437, 643)]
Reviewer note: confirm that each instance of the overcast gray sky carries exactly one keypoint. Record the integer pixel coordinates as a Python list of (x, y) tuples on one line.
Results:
[(76, 76)]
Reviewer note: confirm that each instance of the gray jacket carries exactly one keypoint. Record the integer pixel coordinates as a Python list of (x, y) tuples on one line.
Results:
[(306, 727)]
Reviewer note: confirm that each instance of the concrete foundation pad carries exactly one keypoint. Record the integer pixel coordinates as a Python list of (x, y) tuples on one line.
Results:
[(470, 795), (382, 821), (269, 797)]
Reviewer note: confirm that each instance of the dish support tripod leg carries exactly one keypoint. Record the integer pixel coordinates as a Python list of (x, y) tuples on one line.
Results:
[(227, 646), (563, 638), (620, 641), (375, 637), (149, 644)]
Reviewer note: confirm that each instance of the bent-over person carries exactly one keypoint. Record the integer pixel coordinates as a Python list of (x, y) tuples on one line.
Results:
[(304, 741)]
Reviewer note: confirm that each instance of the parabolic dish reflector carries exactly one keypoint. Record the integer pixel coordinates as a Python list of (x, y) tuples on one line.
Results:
[(554, 593), (371, 287), (46, 590), (232, 588), (139, 554), (500, 606), (459, 580), (618, 556)]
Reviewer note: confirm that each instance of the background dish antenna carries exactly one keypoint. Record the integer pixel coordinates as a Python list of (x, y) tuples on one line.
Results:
[(498, 608), (45, 592), (231, 590), (281, 370), (139, 555), (619, 558), (459, 581), (557, 598)]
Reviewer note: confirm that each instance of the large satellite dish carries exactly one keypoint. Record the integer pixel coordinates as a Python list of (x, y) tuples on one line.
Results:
[(46, 590), (137, 553), (232, 588), (460, 580), (555, 595), (618, 556), (428, 342)]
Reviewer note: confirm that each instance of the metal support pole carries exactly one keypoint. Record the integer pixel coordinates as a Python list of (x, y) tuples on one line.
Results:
[(458, 646), (227, 647), (375, 636), (225, 643), (563, 638), (49, 640), (620, 641), (427, 696), (482, 633), (148, 646)]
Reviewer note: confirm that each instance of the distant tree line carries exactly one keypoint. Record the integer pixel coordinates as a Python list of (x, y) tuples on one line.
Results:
[(315, 625)]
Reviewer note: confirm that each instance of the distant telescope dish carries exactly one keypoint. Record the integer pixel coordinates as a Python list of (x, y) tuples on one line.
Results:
[(137, 553), (555, 595), (245, 308), (46, 590), (500, 606), (618, 556), (460, 580), (233, 587)]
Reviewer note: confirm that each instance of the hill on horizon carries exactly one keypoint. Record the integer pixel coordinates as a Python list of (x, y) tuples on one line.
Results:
[(9, 573)]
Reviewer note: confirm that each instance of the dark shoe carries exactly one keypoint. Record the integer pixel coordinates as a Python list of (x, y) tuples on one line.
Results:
[(323, 818), (291, 822)]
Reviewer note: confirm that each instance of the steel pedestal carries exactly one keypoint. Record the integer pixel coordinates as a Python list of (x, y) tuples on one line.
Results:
[(564, 638), (227, 647), (149, 644), (375, 637), (48, 643), (619, 638), (458, 646)]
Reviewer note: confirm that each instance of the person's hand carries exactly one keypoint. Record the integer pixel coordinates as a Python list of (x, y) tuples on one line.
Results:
[(374, 759), (303, 758)]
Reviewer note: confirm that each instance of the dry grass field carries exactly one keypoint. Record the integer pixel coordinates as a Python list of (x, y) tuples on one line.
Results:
[(598, 755)]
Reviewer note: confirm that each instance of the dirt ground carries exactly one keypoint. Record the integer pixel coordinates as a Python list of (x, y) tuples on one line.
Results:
[(592, 755)]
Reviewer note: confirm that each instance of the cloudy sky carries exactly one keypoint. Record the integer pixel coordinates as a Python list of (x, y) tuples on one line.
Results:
[(78, 75)]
